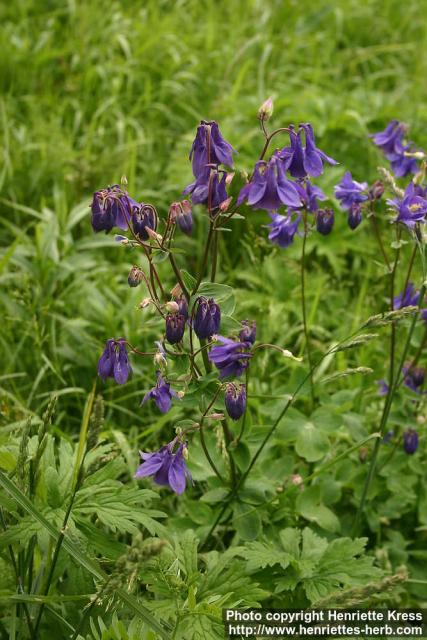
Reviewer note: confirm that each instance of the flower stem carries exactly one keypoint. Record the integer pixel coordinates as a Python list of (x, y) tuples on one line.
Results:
[(304, 311)]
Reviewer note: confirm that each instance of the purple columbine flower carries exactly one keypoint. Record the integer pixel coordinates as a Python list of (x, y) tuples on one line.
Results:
[(143, 217), (235, 400), (310, 194), (389, 140), (354, 217), (248, 331), (307, 161), (413, 377), (184, 218), (408, 298), (325, 219), (182, 303), (208, 183), (412, 208), (350, 192), (269, 188), (209, 147), (114, 361), (382, 387), (167, 467), (314, 157), (175, 327), (207, 318), (231, 358), (283, 229), (111, 207), (162, 394), (410, 441)]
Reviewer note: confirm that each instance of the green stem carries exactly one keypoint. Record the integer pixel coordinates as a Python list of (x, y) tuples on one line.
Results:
[(205, 258), (304, 310), (178, 276), (242, 428)]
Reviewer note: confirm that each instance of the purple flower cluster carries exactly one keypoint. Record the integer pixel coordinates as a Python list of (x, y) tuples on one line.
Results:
[(391, 143), (113, 207), (412, 208), (167, 467), (351, 194), (161, 393), (114, 361), (208, 151)]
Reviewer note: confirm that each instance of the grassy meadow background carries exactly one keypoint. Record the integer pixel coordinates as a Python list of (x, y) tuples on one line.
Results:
[(89, 94), (92, 91)]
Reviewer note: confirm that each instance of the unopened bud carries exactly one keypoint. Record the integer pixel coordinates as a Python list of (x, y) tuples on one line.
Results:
[(144, 303), (176, 292), (421, 419), (229, 178), (225, 204), (172, 306), (123, 181), (297, 479), (377, 190), (215, 416), (180, 394), (174, 211), (135, 276), (185, 454), (121, 239), (153, 234), (266, 110)]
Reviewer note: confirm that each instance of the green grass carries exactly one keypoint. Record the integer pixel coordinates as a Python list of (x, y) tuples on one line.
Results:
[(89, 95)]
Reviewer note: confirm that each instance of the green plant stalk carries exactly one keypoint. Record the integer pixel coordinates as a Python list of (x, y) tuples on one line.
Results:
[(205, 257), (242, 428), (82, 559), (304, 311), (386, 412), (178, 276), (273, 428)]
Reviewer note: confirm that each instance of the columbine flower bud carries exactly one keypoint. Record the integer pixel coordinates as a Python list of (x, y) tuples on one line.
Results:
[(184, 218), (153, 235), (377, 190), (354, 216), (410, 441), (235, 400), (223, 207), (207, 319), (175, 327), (176, 291), (172, 306), (248, 332), (325, 221), (173, 211), (182, 306), (144, 220), (266, 110), (135, 276), (145, 303), (297, 479)]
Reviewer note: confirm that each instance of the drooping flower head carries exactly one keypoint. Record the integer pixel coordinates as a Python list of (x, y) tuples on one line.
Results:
[(413, 377), (283, 229), (269, 187), (230, 357), (209, 188), (207, 317), (382, 387), (209, 147), (307, 161), (162, 394), (175, 327), (412, 208), (144, 217), (390, 141), (410, 441), (167, 467), (235, 400), (114, 361), (354, 217), (111, 207), (325, 219), (349, 192), (135, 276), (248, 331), (408, 298), (310, 194)]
